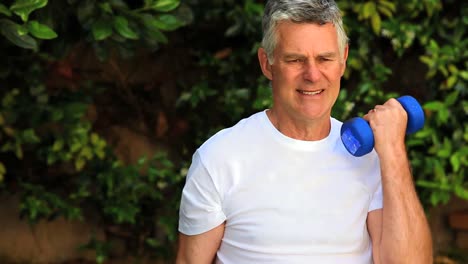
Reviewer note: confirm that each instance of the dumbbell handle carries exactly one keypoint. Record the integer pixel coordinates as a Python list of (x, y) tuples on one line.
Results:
[(357, 136)]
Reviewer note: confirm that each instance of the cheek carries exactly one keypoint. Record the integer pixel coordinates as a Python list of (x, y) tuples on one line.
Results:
[(284, 75), (334, 74)]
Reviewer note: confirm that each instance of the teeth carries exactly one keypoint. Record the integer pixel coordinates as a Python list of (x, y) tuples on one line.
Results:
[(311, 93)]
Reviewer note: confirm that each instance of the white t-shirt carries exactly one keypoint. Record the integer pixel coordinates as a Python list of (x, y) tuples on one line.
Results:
[(283, 200)]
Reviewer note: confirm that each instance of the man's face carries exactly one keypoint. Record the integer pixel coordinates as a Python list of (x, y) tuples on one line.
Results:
[(306, 71)]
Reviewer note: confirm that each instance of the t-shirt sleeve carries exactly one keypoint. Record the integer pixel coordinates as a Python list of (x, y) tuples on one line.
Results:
[(200, 206), (377, 199)]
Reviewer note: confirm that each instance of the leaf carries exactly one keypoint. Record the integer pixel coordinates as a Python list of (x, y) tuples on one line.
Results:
[(376, 23), (452, 98), (153, 27), (94, 139), (455, 162), (122, 27), (453, 69), (29, 136), (101, 29), (2, 169), (443, 115), (11, 31), (368, 10), (461, 192), (19, 151), (4, 10), (451, 81), (165, 22), (156, 35), (464, 75), (385, 11), (86, 153), (58, 145), (41, 31), (106, 7), (388, 4), (166, 5), (434, 106), (79, 164), (24, 7), (427, 60), (439, 173)]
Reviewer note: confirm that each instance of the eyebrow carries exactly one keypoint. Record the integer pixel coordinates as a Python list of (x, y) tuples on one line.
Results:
[(293, 56), (329, 54)]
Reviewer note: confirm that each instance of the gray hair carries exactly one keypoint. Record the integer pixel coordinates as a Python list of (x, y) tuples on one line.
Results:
[(300, 11)]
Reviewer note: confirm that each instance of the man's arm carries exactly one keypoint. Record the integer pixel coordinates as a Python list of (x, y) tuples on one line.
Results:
[(199, 249), (399, 232)]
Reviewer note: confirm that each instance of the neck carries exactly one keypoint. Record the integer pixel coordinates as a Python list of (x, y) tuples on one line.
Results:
[(308, 130)]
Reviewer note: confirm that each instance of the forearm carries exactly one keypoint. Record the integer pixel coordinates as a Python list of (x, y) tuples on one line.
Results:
[(406, 235)]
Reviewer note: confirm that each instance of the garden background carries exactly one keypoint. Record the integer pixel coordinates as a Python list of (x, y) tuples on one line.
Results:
[(104, 102)]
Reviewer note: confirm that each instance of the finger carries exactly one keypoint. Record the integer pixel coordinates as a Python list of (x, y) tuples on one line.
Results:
[(392, 102), (366, 116), (379, 107)]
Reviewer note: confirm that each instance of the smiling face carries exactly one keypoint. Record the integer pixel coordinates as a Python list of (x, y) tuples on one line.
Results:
[(306, 71)]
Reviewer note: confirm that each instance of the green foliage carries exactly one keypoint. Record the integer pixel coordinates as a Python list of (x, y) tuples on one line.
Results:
[(101, 248), (50, 153), (18, 34), (37, 203)]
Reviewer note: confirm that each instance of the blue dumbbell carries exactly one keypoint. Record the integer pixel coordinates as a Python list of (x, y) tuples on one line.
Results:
[(357, 136)]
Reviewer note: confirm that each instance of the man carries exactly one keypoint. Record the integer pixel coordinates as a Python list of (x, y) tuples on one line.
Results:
[(279, 187)]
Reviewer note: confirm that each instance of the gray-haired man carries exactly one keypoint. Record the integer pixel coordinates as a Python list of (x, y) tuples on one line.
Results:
[(279, 187)]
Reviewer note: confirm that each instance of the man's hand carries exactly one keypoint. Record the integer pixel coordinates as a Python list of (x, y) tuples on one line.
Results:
[(388, 123)]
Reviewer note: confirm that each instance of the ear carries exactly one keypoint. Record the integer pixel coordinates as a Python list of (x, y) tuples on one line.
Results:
[(345, 58), (264, 64)]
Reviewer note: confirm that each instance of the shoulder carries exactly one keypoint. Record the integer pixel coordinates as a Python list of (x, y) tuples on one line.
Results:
[(233, 138)]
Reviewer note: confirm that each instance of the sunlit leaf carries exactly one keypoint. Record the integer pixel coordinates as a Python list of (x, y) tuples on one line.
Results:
[(435, 105), (461, 192), (455, 162), (165, 22), (376, 23), (80, 163), (122, 27), (451, 81), (40, 30), (165, 5), (24, 7), (368, 10)]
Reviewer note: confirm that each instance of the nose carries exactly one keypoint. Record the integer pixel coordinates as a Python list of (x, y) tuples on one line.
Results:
[(312, 72)]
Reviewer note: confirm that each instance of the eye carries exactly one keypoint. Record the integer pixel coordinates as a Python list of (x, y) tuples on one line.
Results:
[(325, 59), (295, 60)]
